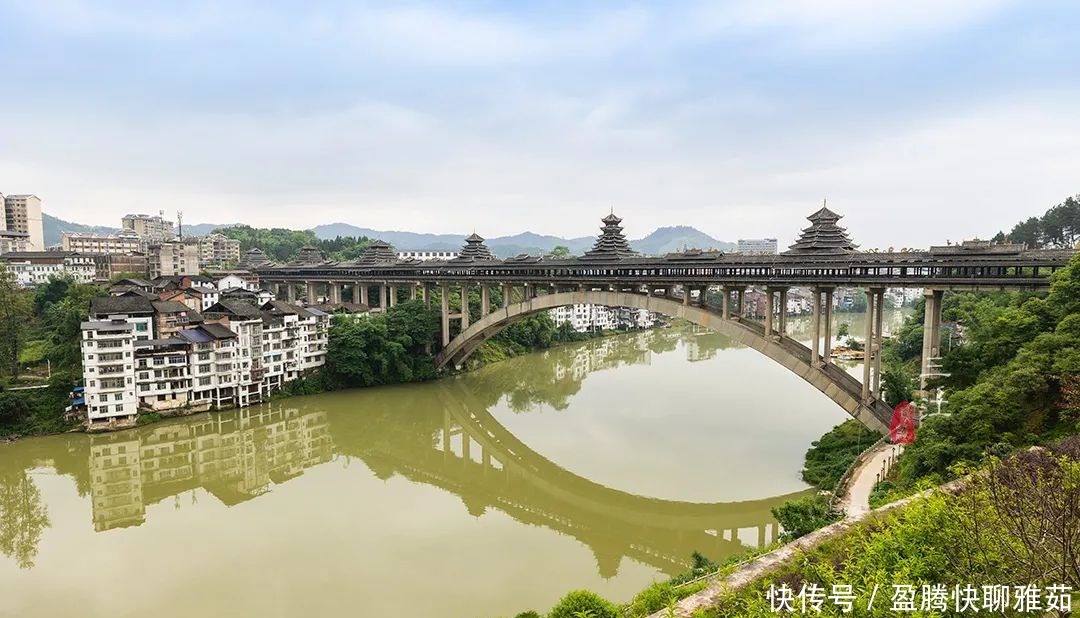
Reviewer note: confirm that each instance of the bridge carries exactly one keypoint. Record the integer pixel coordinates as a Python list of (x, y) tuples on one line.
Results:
[(823, 259)]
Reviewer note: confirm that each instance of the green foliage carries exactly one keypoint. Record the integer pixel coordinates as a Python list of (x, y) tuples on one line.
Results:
[(16, 308), (583, 604), (898, 382), (802, 516), (37, 410), (385, 348), (283, 245), (528, 614), (1059, 227), (832, 454), (33, 352)]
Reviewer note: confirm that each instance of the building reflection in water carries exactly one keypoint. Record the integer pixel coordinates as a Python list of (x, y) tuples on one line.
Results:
[(235, 456), (439, 434)]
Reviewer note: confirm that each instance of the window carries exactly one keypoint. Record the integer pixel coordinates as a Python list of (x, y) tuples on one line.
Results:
[(140, 326)]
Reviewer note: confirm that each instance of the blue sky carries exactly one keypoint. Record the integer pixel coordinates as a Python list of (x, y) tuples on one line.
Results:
[(921, 121)]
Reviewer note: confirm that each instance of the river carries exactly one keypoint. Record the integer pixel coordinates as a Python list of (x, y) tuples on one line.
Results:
[(600, 465)]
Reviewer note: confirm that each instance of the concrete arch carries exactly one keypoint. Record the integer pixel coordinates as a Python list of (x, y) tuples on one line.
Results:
[(836, 383)]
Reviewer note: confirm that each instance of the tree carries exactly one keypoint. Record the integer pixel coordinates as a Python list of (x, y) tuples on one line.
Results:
[(559, 252), (15, 310), (22, 518)]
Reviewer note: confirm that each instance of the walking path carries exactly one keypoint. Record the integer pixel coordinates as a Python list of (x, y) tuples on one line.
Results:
[(856, 501)]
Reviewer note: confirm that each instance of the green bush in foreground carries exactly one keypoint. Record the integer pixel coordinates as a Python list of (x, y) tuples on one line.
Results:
[(584, 604), (803, 516)]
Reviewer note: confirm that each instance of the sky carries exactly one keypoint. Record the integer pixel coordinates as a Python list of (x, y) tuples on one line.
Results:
[(920, 121)]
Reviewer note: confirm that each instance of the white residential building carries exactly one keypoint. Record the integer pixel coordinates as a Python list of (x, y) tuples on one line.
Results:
[(757, 246), (236, 357), (152, 229), (33, 268), (427, 255), (169, 259), (217, 250)]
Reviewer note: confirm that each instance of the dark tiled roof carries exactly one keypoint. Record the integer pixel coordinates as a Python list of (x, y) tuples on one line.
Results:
[(172, 306), (129, 305), (237, 308), (474, 250), (341, 307), (280, 307), (218, 331)]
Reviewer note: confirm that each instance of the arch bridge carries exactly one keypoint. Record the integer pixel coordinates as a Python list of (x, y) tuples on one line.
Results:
[(822, 260)]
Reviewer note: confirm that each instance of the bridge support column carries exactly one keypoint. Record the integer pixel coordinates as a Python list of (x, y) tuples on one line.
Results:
[(931, 336), (686, 294), (361, 296), (507, 294), (335, 291), (769, 295), (828, 326), (485, 300), (464, 307), (312, 299), (740, 305), (444, 299), (879, 318), (815, 327), (782, 311), (872, 347), (725, 302), (392, 292), (425, 293), (412, 291), (290, 292)]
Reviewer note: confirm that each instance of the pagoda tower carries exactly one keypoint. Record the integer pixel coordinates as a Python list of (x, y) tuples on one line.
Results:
[(612, 243), (823, 236), (378, 252), (474, 250)]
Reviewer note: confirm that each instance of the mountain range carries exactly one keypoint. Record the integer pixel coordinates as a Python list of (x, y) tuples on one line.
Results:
[(662, 240)]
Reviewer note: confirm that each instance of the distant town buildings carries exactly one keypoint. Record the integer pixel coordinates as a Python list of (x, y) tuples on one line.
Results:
[(22, 214), (427, 255), (152, 229), (12, 241), (592, 318), (757, 246)]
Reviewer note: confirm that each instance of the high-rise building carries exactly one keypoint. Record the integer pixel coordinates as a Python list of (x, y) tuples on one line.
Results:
[(173, 258), (22, 213), (152, 229), (757, 246)]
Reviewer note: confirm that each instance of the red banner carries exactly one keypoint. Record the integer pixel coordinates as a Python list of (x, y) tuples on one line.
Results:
[(902, 424)]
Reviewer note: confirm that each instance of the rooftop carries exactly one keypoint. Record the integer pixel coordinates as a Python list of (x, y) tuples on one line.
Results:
[(115, 305)]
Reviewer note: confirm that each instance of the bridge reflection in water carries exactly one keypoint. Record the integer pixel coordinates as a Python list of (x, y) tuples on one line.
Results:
[(237, 456)]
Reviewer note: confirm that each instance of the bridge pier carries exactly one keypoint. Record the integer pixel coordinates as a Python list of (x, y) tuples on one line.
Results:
[(444, 300), (871, 385), (312, 298), (335, 291), (485, 300), (815, 327), (828, 326), (931, 348), (464, 306), (391, 292)]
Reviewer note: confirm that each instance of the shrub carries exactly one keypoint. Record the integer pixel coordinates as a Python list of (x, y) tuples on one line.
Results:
[(803, 515), (584, 604)]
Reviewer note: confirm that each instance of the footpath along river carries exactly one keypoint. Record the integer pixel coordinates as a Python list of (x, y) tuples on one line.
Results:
[(600, 465)]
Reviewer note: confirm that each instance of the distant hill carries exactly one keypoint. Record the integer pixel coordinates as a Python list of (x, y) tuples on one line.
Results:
[(663, 240), (53, 229), (676, 238)]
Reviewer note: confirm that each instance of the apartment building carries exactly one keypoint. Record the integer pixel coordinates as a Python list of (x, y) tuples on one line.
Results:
[(152, 229), (218, 250), (144, 354), (167, 259), (33, 268), (22, 213), (123, 242), (757, 246), (12, 242), (110, 265)]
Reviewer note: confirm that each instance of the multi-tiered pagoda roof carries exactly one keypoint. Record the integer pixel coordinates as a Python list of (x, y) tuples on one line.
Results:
[(474, 250), (823, 236), (612, 243), (310, 255), (252, 258), (378, 252)]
